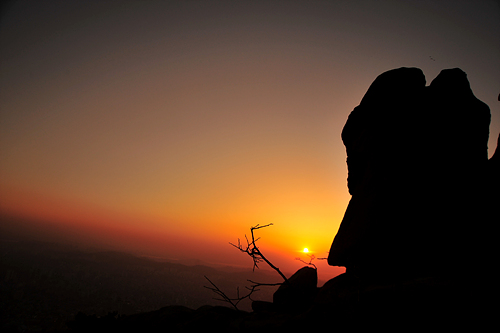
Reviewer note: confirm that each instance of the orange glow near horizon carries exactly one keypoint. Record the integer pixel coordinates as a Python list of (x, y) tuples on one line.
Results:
[(171, 128), (59, 219)]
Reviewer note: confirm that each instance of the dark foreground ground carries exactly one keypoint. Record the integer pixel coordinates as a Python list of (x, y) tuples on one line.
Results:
[(342, 304)]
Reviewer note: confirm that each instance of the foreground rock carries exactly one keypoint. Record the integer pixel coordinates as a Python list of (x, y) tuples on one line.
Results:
[(417, 238), (298, 293)]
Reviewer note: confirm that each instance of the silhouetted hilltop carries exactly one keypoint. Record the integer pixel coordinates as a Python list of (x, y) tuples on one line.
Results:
[(416, 238)]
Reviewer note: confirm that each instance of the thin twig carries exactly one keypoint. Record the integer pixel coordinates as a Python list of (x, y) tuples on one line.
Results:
[(235, 301), (310, 263), (253, 251), (219, 292)]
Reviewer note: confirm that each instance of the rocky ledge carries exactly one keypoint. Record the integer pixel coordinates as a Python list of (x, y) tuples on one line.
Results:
[(417, 239)]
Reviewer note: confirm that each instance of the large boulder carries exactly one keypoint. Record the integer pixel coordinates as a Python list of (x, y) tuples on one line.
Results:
[(298, 292), (417, 159)]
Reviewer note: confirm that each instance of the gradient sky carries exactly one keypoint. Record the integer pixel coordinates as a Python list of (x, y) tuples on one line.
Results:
[(171, 127)]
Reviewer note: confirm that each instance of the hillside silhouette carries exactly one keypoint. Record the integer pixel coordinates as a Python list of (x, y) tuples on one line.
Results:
[(417, 238)]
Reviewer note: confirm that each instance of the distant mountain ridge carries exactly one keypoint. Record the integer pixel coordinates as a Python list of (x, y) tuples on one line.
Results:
[(44, 285)]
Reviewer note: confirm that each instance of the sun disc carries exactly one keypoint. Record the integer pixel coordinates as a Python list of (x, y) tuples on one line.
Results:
[(306, 250)]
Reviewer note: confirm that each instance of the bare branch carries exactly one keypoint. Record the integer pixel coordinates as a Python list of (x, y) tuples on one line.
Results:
[(235, 301), (310, 263), (219, 292), (254, 252)]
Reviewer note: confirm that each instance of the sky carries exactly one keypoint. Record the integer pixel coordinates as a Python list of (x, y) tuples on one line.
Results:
[(169, 128)]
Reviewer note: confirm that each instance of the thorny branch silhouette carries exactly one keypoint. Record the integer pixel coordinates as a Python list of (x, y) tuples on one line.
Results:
[(254, 252)]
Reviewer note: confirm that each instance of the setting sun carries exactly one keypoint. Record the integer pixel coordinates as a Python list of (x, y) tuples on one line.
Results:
[(305, 250)]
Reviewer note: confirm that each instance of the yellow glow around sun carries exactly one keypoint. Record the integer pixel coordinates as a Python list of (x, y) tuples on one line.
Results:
[(305, 250)]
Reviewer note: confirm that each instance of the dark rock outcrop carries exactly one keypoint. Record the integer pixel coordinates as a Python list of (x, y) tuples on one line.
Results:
[(299, 292), (424, 203), (417, 159)]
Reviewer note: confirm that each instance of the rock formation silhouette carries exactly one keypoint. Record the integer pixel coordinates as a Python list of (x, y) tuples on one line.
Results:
[(417, 161), (417, 237)]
